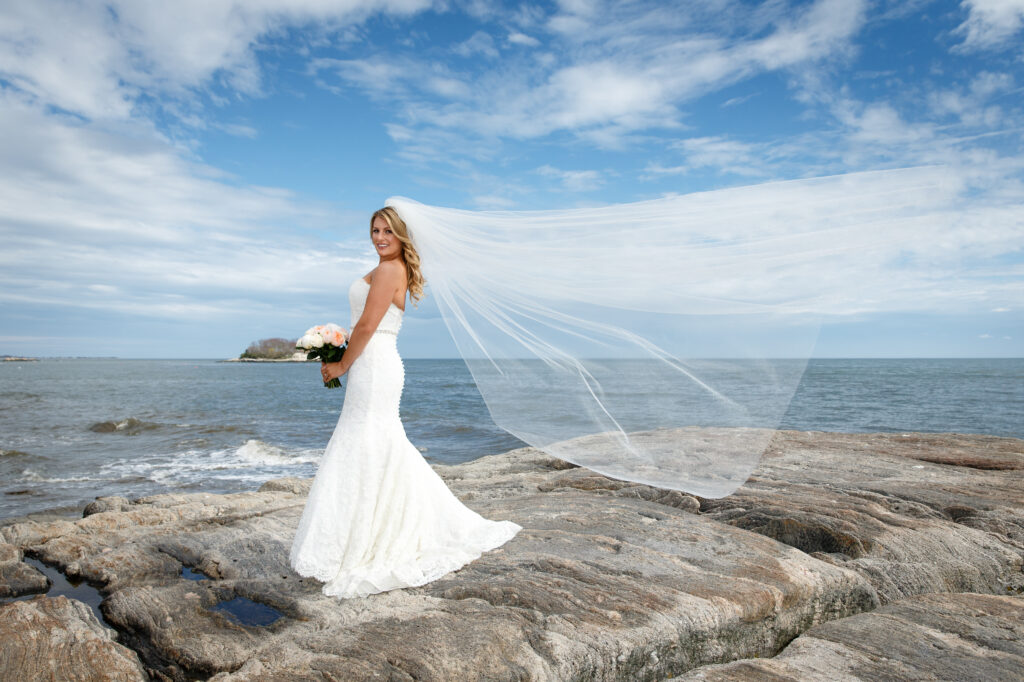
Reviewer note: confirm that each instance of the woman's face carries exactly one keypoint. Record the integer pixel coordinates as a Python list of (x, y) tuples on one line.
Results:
[(384, 240)]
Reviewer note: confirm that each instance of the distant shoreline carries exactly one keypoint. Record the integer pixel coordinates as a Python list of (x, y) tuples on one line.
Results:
[(292, 359), (13, 358)]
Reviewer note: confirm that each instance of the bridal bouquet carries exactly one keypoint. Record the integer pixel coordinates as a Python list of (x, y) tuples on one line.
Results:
[(326, 342)]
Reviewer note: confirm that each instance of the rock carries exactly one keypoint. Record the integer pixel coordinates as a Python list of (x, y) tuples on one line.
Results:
[(61, 639), (608, 579), (296, 486), (594, 576), (102, 504), (587, 480), (128, 427), (16, 577), (880, 505), (925, 637)]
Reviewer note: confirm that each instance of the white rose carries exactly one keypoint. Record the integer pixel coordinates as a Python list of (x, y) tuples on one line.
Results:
[(305, 342), (309, 332), (333, 327), (316, 341)]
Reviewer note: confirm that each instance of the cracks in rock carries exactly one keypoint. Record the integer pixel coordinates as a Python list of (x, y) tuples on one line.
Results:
[(89, 593), (627, 489)]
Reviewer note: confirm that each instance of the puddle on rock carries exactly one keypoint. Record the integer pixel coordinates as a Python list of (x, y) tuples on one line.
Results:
[(242, 610), (61, 585), (245, 611), (189, 573)]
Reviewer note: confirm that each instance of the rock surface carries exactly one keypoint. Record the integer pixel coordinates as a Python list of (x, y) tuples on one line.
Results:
[(912, 513), (608, 580), (16, 577), (926, 637), (61, 639)]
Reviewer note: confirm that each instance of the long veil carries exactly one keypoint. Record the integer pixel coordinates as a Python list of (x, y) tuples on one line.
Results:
[(661, 341)]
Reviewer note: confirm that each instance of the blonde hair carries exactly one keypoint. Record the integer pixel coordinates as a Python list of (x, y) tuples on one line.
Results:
[(409, 253)]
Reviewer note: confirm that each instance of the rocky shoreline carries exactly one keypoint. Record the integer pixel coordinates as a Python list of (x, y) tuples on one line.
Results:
[(860, 556)]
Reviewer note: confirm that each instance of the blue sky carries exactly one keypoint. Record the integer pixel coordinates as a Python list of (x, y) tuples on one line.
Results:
[(180, 179)]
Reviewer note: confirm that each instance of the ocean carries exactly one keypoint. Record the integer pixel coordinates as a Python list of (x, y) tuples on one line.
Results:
[(75, 429)]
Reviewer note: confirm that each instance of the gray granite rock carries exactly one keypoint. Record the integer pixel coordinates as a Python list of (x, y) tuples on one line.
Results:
[(925, 637), (608, 580), (61, 639)]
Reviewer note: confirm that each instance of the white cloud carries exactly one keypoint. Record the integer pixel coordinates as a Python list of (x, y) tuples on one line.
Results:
[(987, 83), (517, 38), (493, 202), (735, 101), (971, 102), (991, 24), (613, 70), (725, 155), (574, 180), (100, 211), (823, 29), (117, 220), (94, 58), (480, 43), (879, 125), (238, 130)]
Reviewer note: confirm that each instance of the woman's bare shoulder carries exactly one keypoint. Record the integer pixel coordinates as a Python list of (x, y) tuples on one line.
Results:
[(391, 271)]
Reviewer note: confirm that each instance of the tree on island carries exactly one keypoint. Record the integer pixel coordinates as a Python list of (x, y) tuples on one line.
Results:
[(269, 349)]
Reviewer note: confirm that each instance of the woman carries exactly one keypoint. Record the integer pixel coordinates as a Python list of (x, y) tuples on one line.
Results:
[(378, 517)]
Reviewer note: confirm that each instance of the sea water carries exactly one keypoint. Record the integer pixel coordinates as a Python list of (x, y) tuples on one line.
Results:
[(75, 429)]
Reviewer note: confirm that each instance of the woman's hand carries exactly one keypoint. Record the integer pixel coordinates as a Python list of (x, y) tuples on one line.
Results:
[(330, 370)]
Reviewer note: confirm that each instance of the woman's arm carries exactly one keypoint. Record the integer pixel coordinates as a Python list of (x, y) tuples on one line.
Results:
[(387, 280)]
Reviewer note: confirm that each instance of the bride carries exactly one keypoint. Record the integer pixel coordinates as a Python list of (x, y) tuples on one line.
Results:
[(378, 517)]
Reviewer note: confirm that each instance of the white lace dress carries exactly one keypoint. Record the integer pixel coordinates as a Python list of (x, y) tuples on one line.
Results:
[(378, 517)]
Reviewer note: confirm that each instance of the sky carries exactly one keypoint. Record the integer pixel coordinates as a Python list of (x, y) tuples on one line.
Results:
[(181, 179)]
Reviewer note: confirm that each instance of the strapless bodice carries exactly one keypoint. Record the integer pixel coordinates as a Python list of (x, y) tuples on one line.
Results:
[(357, 293)]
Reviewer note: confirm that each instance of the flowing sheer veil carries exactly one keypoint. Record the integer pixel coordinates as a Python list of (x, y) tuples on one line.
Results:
[(662, 341)]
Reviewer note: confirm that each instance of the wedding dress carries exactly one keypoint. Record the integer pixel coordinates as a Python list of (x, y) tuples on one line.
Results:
[(378, 517)]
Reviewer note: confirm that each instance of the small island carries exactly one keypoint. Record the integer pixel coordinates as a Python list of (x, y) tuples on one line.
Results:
[(16, 358), (271, 350)]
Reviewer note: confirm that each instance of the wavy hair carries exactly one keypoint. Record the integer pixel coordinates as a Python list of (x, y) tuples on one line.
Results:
[(409, 253)]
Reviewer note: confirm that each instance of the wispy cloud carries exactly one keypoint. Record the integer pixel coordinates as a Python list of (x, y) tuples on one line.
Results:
[(91, 219), (123, 48), (991, 24), (574, 180), (720, 153), (480, 43), (613, 70), (102, 211), (517, 38)]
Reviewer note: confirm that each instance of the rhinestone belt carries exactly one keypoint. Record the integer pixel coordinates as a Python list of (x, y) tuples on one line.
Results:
[(386, 331)]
